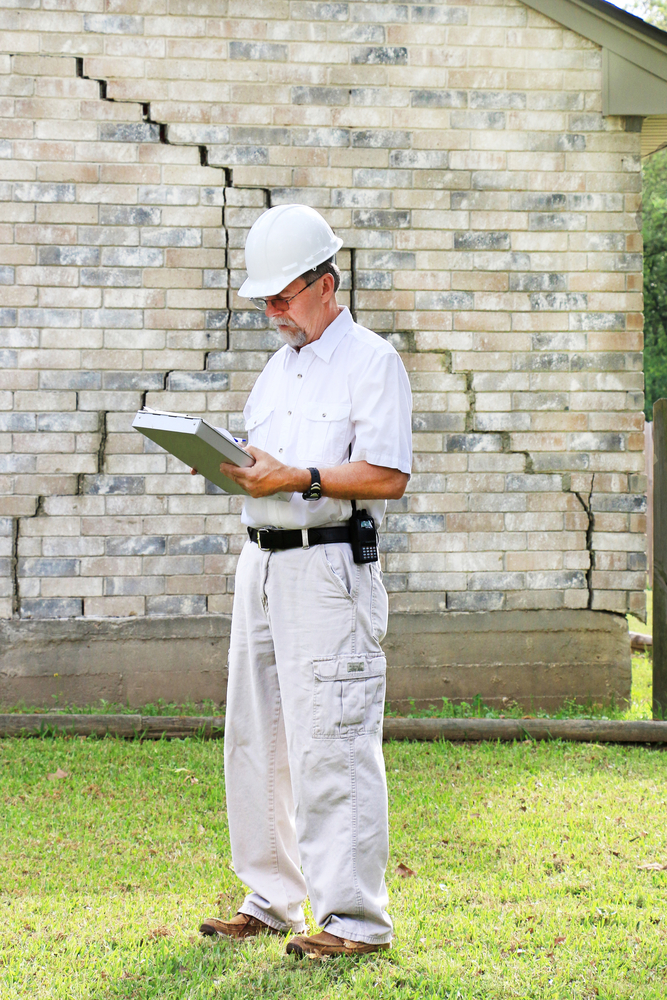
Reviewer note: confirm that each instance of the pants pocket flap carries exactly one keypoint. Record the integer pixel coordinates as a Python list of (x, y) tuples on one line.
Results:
[(348, 695), (350, 666)]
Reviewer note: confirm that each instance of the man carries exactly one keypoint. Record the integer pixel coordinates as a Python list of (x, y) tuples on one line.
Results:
[(329, 422)]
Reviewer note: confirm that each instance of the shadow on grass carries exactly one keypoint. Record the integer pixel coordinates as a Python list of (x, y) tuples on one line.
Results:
[(253, 969)]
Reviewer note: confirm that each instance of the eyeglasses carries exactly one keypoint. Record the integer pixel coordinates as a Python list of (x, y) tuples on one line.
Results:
[(282, 305)]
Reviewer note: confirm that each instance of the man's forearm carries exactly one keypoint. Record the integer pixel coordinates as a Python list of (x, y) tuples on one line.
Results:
[(354, 480), (361, 480), (351, 481)]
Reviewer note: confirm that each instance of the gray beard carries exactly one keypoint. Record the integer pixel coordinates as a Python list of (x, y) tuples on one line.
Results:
[(292, 334)]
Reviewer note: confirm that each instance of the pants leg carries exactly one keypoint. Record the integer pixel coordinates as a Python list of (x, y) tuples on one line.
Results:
[(327, 616), (259, 791)]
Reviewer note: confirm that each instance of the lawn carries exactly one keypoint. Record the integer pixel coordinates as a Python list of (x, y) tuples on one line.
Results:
[(527, 858)]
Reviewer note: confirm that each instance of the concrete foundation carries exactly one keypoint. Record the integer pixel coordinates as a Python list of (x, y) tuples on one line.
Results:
[(537, 658)]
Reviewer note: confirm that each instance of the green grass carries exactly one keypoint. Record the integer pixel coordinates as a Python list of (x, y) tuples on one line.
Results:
[(526, 857), (103, 707), (646, 628)]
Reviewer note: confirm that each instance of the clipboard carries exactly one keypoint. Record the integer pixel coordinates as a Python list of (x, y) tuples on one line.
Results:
[(202, 447)]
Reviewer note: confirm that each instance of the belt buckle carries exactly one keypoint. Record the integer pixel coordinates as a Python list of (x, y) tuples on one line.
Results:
[(259, 539)]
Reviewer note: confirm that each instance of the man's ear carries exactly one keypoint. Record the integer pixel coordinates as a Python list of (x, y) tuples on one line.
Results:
[(327, 287)]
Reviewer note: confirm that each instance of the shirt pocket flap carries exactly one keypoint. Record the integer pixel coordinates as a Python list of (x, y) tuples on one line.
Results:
[(349, 667), (326, 411), (257, 416)]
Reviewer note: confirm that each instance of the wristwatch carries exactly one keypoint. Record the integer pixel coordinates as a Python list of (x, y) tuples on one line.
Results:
[(314, 491)]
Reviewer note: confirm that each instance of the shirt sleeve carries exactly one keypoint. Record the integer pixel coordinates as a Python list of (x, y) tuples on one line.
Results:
[(382, 414)]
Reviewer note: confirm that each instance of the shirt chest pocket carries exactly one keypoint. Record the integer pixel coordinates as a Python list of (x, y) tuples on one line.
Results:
[(258, 425), (324, 433)]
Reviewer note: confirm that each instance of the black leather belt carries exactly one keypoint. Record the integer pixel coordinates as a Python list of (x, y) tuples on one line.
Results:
[(297, 538)]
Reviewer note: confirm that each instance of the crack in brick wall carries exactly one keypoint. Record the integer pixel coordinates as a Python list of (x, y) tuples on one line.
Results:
[(585, 501), (16, 555), (103, 441)]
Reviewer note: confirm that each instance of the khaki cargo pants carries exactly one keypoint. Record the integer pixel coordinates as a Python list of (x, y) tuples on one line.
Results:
[(305, 779)]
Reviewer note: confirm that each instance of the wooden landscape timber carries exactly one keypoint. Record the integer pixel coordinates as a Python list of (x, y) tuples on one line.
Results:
[(154, 727), (640, 641)]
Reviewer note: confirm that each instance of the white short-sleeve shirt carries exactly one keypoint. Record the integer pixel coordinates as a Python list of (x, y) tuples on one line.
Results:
[(348, 388)]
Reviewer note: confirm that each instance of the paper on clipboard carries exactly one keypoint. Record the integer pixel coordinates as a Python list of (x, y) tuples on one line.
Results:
[(194, 441)]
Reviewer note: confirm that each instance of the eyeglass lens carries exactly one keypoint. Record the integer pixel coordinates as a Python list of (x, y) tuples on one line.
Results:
[(281, 304)]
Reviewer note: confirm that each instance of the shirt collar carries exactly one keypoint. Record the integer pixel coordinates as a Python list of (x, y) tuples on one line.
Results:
[(325, 345)]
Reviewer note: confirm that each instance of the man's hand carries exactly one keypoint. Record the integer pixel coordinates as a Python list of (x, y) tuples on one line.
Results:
[(267, 476)]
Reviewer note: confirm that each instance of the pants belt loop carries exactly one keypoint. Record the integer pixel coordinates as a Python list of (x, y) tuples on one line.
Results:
[(304, 538)]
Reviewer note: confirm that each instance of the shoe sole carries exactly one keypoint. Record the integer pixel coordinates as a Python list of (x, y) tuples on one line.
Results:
[(209, 931), (295, 949)]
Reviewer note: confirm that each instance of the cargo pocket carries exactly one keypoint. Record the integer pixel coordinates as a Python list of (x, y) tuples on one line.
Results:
[(348, 696)]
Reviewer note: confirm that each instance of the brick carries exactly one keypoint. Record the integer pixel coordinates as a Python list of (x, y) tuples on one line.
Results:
[(69, 256), (96, 485), (122, 24), (136, 545), (439, 98), (44, 192), (48, 567), (176, 605), (112, 277), (130, 132), (380, 219), (381, 55), (327, 96), (258, 50), (132, 257), (51, 608)]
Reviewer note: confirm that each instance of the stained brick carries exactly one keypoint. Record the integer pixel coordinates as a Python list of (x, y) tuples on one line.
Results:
[(258, 50), (381, 55), (439, 98), (130, 132), (53, 607), (113, 24), (330, 96)]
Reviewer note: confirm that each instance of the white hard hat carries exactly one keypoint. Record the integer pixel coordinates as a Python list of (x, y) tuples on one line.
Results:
[(283, 243)]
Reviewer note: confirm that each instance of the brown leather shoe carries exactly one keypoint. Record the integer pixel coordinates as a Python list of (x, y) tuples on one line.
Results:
[(324, 945), (242, 925)]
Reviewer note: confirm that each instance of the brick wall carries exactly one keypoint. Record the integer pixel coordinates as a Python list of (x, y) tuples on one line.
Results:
[(489, 213)]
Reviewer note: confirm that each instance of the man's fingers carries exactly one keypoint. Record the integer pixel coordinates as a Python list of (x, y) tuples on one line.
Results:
[(193, 472)]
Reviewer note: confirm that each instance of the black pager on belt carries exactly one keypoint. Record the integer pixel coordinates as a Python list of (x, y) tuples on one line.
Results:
[(363, 536)]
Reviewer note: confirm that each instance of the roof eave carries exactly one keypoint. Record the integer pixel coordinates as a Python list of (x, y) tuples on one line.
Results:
[(634, 53)]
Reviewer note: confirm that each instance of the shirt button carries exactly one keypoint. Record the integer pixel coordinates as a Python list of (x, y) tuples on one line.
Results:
[(280, 451), (289, 413), (299, 376)]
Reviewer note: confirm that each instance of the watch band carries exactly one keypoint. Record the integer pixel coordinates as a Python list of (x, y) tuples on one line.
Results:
[(314, 491)]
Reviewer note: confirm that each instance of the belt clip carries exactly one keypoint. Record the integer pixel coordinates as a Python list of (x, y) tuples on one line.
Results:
[(259, 539), (304, 538)]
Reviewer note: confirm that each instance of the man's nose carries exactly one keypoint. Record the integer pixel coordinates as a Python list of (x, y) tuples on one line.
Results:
[(271, 310)]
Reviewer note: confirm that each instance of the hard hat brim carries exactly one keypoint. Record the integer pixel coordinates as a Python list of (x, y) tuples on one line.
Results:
[(260, 288)]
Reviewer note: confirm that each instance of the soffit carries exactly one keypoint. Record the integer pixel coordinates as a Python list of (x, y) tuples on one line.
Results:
[(654, 134)]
